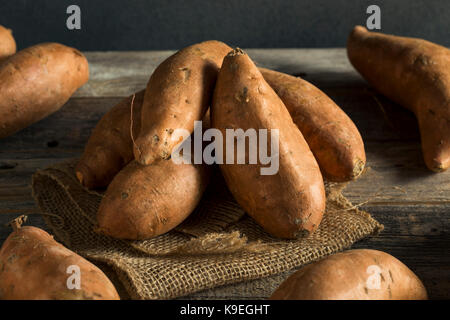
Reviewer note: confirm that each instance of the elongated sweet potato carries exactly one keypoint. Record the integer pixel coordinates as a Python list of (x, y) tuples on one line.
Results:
[(353, 275), (331, 134), (33, 266), (110, 146), (36, 82), (414, 73), (143, 202), (178, 93), (7, 43), (290, 202)]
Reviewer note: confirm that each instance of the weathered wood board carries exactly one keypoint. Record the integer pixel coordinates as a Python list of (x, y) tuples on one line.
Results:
[(412, 203)]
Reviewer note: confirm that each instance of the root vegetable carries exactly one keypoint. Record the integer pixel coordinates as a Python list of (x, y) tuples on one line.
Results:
[(291, 202), (414, 73), (34, 266), (178, 93), (7, 43), (353, 275), (143, 202), (36, 82), (110, 146), (330, 133)]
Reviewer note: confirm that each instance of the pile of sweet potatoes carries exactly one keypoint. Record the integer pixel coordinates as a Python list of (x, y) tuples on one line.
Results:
[(316, 138), (131, 152)]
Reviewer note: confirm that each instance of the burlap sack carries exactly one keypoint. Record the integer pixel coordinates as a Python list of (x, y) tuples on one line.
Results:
[(217, 245)]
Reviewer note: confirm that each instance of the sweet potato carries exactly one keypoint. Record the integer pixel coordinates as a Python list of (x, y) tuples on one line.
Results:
[(34, 266), (331, 134), (110, 146), (414, 73), (7, 43), (36, 82), (143, 202), (353, 275), (291, 202), (178, 93)]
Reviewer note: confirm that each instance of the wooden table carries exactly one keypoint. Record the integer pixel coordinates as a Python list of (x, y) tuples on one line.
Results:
[(411, 202)]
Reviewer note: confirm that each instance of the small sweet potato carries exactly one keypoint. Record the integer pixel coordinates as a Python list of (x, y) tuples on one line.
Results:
[(110, 146), (143, 202), (7, 43), (36, 82), (291, 202), (414, 73), (33, 266), (353, 275), (178, 93), (331, 134)]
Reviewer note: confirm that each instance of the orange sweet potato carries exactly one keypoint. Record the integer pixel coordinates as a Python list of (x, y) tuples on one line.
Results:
[(7, 43), (33, 266), (110, 146), (414, 73), (290, 202), (353, 275), (178, 93), (36, 82), (143, 202), (331, 134)]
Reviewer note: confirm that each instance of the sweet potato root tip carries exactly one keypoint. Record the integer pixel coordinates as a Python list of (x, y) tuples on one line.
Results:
[(236, 52), (358, 169), (80, 177)]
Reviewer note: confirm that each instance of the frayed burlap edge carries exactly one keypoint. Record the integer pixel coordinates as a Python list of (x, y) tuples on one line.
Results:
[(228, 255)]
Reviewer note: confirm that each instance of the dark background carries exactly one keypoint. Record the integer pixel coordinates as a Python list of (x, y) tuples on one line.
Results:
[(171, 24)]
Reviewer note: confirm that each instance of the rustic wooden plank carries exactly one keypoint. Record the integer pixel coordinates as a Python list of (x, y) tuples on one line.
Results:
[(412, 203), (435, 276), (425, 254), (377, 118), (395, 175), (115, 74), (60, 133)]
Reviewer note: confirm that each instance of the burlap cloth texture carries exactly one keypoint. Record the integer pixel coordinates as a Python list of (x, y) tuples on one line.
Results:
[(218, 244)]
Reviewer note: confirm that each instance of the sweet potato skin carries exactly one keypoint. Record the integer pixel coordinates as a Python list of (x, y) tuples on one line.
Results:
[(34, 266), (330, 133), (414, 73), (291, 202), (178, 93), (7, 43), (345, 276), (143, 202), (36, 82), (110, 146)]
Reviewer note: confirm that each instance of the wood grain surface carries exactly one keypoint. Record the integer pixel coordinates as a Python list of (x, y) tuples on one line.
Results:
[(397, 189)]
